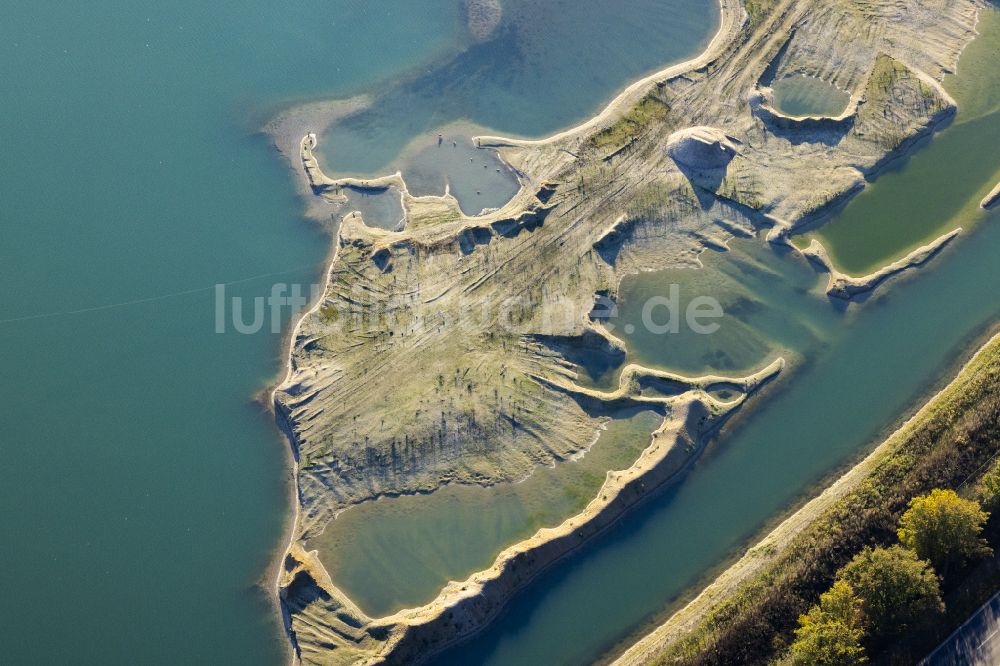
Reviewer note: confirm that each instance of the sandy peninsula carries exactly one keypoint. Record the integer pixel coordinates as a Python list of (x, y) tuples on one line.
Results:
[(679, 162), (992, 199), (845, 287)]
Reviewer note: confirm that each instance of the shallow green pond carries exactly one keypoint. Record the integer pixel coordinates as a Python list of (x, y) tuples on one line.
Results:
[(398, 553), (801, 95), (955, 170)]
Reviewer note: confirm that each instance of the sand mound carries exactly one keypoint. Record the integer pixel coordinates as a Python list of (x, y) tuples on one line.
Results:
[(701, 148), (483, 17)]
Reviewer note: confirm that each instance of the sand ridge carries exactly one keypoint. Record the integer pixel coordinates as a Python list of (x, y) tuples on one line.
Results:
[(846, 287)]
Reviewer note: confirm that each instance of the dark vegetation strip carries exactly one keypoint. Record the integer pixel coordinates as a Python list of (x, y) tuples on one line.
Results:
[(952, 445)]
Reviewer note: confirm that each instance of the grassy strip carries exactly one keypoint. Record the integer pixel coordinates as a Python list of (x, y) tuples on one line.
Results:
[(651, 109), (759, 10), (948, 445)]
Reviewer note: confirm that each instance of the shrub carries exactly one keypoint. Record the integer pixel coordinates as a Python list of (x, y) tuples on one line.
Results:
[(830, 634), (897, 589), (944, 529), (989, 487)]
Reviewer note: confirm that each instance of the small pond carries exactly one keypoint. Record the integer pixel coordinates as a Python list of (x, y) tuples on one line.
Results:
[(801, 95)]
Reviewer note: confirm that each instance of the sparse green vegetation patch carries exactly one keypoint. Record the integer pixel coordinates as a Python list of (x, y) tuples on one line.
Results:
[(758, 10), (651, 109)]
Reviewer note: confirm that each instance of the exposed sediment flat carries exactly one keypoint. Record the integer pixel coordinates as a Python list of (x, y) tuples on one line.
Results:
[(436, 353), (464, 607), (483, 17)]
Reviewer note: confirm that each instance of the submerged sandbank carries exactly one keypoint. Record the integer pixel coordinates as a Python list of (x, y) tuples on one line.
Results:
[(538, 69)]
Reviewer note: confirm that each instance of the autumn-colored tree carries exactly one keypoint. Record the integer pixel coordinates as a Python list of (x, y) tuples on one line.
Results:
[(944, 529), (897, 589), (830, 634)]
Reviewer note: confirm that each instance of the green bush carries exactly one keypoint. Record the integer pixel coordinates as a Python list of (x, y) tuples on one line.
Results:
[(944, 529), (830, 634), (897, 589), (989, 487)]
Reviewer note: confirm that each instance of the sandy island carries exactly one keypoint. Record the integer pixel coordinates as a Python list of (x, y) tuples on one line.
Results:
[(681, 161)]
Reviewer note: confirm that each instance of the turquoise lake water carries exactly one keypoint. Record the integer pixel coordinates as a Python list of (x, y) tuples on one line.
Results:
[(144, 490)]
